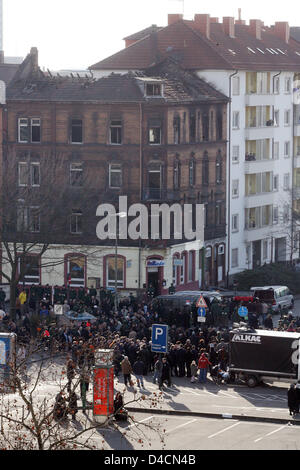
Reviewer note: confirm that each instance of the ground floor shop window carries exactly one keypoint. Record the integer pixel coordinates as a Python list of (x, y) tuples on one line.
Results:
[(29, 269), (111, 273)]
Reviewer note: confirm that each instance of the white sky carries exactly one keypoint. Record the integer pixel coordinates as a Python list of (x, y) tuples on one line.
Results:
[(79, 33)]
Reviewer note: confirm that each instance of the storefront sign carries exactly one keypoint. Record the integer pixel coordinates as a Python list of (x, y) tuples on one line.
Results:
[(155, 263)]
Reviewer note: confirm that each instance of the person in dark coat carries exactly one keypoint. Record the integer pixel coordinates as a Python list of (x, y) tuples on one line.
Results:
[(73, 407), (165, 374), (293, 402)]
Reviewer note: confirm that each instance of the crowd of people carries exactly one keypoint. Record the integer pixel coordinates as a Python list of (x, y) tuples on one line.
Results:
[(194, 350)]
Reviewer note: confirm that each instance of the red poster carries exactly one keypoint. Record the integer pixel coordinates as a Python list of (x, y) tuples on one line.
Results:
[(103, 392)]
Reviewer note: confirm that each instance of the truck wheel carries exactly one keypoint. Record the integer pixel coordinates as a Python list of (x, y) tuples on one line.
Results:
[(251, 381)]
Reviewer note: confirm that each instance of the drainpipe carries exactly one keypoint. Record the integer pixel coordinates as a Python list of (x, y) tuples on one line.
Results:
[(229, 175)]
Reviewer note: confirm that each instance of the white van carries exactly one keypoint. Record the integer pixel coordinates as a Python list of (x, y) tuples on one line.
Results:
[(278, 296)]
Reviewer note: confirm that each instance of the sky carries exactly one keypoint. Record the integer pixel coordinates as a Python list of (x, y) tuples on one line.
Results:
[(74, 34)]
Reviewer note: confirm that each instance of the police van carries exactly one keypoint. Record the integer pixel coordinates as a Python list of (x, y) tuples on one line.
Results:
[(278, 296)]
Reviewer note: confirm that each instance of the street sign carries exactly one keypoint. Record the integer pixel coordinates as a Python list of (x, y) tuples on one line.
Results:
[(243, 312), (201, 315), (160, 338), (201, 302)]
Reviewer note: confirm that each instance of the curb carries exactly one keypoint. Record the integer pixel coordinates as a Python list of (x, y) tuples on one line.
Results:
[(215, 415)]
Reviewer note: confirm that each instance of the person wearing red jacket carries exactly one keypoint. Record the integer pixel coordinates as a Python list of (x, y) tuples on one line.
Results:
[(203, 364)]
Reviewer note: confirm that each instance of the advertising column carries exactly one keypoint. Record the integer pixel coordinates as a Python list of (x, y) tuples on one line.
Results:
[(103, 386)]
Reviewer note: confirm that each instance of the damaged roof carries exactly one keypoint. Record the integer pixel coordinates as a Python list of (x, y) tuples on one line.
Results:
[(178, 85)]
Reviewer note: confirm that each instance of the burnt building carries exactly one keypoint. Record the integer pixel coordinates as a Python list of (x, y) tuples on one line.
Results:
[(74, 143)]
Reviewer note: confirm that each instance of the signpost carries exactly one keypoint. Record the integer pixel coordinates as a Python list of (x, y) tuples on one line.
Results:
[(201, 315), (160, 339), (243, 312)]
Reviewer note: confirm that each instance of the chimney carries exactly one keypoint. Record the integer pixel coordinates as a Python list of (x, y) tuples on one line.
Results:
[(202, 24), (174, 17), (255, 27), (282, 30), (34, 58), (228, 26)]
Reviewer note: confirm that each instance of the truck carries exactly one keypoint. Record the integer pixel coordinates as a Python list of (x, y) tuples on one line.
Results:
[(257, 356)]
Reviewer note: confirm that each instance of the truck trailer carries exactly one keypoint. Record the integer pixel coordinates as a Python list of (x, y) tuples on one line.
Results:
[(256, 356)]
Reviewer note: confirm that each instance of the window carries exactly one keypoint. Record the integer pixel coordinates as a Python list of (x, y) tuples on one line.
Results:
[(276, 86), (287, 117), (75, 267), (234, 257), (276, 183), (276, 115), (76, 222), (286, 182), (235, 223), (23, 130), (192, 126), (36, 130), (286, 149), (115, 176), (265, 249), (153, 89), (236, 86), (176, 175), (235, 188), (155, 134), (23, 174), (182, 269), (205, 169), (116, 132), (76, 174), (287, 85), (219, 169), (205, 126), (236, 120), (219, 124), (192, 173), (76, 131), (28, 219), (275, 215), (235, 153), (29, 269), (218, 214), (112, 275), (176, 128), (191, 266), (35, 173), (276, 150)]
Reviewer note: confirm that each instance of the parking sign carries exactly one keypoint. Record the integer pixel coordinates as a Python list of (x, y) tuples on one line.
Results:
[(160, 338)]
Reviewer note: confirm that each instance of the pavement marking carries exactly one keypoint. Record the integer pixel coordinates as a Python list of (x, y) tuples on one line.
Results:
[(270, 433), (224, 430), (229, 395), (181, 426), (139, 422)]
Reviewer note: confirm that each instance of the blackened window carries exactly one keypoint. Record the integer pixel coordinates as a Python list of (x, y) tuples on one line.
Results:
[(205, 126), (192, 172), (219, 125), (176, 127), (76, 174), (192, 127), (176, 178), (153, 89), (205, 169), (76, 131), (36, 130), (219, 169), (116, 132), (115, 176)]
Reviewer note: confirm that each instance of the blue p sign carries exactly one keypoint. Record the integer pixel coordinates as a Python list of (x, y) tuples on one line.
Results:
[(159, 338)]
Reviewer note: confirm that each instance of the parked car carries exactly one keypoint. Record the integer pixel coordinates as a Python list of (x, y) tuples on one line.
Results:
[(278, 296)]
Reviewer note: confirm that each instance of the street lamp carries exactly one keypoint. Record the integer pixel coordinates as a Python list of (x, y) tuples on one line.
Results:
[(121, 215)]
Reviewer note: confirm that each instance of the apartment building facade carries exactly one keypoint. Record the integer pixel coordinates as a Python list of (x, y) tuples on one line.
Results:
[(75, 143), (256, 67)]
